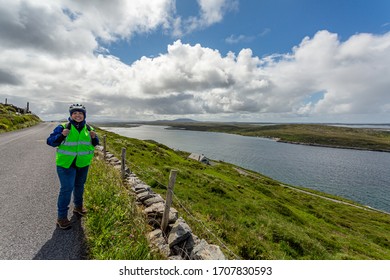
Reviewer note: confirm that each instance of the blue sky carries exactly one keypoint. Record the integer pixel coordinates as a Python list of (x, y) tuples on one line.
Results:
[(265, 26), (226, 60)]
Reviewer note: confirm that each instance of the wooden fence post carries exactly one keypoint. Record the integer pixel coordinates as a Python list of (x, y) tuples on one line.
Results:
[(104, 147), (168, 201), (123, 163)]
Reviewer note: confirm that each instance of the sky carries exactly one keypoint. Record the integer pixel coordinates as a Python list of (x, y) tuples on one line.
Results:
[(208, 60)]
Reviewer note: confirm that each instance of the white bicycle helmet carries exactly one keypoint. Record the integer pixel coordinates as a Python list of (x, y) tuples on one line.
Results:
[(77, 107)]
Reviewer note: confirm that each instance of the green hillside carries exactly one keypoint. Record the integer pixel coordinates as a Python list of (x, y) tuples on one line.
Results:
[(309, 134), (13, 118), (254, 216)]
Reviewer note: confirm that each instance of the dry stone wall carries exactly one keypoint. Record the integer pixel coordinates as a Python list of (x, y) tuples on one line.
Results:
[(179, 242)]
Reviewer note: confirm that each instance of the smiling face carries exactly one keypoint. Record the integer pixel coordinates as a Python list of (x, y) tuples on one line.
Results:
[(77, 116)]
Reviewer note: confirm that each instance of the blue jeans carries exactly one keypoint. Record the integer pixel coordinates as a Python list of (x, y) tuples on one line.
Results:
[(71, 180)]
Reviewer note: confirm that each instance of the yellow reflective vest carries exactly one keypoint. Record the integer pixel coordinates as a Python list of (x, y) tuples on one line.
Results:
[(76, 145)]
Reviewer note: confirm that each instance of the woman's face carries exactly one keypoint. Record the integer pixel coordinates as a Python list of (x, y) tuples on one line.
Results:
[(77, 116)]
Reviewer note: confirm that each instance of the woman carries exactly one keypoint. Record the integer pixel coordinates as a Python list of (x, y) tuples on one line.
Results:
[(75, 142)]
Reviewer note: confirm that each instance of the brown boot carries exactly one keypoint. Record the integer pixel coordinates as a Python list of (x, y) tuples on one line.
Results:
[(64, 223), (80, 210)]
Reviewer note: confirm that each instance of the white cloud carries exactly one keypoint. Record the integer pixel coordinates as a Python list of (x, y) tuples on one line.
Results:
[(53, 65), (211, 12), (36, 27), (70, 28), (234, 39), (114, 19)]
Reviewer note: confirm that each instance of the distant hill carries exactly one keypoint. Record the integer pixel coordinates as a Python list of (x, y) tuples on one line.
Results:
[(182, 120), (137, 123)]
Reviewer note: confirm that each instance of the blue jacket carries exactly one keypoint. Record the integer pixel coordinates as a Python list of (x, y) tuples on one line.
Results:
[(56, 137)]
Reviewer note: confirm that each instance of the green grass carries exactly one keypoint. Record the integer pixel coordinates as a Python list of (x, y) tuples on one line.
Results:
[(11, 120), (254, 216), (115, 228)]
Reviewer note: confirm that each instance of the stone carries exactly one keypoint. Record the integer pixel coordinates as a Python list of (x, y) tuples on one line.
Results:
[(175, 258), (156, 237), (142, 187), (205, 251), (184, 248), (133, 180), (113, 160), (173, 216), (109, 155), (151, 200), (155, 209), (180, 232), (155, 234), (137, 191), (144, 196)]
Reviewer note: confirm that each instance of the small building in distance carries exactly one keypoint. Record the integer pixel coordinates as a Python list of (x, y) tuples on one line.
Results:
[(201, 158)]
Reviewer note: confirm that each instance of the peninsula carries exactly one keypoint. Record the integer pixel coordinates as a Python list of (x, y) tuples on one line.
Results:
[(335, 136)]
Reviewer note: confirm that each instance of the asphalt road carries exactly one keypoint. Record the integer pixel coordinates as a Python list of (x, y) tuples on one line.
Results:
[(28, 197)]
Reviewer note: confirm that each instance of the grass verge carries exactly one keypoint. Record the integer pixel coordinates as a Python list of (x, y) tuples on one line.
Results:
[(115, 228), (10, 119)]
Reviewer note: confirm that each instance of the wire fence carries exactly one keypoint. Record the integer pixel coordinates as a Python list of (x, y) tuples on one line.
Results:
[(148, 175)]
